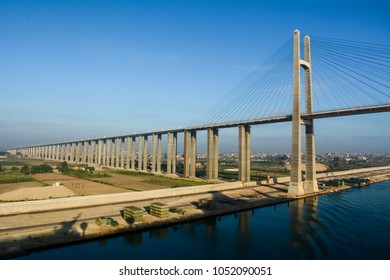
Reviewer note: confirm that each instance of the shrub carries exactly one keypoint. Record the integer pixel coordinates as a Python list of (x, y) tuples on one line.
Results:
[(63, 167), (25, 170), (43, 168)]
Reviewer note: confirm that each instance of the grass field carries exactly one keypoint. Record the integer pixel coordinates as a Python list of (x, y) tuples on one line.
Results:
[(7, 177)]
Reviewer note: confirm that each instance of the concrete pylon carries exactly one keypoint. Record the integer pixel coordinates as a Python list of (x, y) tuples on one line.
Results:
[(140, 152), (122, 152), (216, 153), (187, 150), (133, 152), (174, 153), (159, 148), (310, 184), (244, 158), (210, 153), (169, 153), (193, 154), (296, 186), (145, 165), (104, 155), (154, 146)]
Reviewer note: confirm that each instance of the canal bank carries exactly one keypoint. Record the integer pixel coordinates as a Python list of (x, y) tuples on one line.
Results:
[(56, 228)]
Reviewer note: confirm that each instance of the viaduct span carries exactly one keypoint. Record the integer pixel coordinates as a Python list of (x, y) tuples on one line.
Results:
[(131, 152)]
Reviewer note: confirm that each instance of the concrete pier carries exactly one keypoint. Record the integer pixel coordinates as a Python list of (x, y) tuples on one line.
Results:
[(296, 186), (112, 153), (133, 152), (122, 163), (104, 153), (244, 153), (128, 153), (99, 153), (117, 152), (145, 164), (310, 184), (187, 149), (212, 154), (169, 153), (159, 147), (140, 152), (193, 154), (154, 147)]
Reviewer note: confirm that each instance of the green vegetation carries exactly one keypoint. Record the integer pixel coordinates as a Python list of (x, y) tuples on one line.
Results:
[(43, 168), (86, 173), (25, 170), (342, 164), (160, 180), (7, 177)]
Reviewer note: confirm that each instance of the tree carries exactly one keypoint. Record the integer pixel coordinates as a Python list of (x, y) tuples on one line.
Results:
[(25, 170), (63, 167), (1, 168), (43, 168)]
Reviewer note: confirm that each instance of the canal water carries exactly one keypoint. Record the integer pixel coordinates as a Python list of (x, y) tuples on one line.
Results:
[(351, 224)]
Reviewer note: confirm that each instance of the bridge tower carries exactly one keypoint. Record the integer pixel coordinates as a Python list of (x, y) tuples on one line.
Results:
[(297, 187)]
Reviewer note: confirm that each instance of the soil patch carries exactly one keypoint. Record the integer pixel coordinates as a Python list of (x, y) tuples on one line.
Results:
[(37, 193)]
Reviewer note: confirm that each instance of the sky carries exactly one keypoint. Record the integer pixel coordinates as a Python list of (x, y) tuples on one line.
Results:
[(73, 70)]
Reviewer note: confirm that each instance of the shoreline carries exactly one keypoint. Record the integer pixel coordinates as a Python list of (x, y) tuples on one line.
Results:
[(51, 229)]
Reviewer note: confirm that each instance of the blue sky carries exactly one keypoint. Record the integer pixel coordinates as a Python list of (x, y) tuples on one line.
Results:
[(78, 69)]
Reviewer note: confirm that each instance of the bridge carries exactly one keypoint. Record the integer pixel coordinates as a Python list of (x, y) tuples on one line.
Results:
[(350, 78)]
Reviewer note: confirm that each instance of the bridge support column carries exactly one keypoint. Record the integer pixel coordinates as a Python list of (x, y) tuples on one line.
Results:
[(244, 153), (99, 152), (128, 153), (72, 153), (104, 153), (108, 150), (174, 153), (193, 154), (140, 152), (122, 165), (133, 152), (187, 149), (57, 152), (62, 152), (117, 152), (159, 147), (216, 153), (91, 147), (112, 154), (84, 153), (296, 186), (77, 152), (154, 145), (310, 184), (169, 153), (45, 152), (212, 154), (145, 165)]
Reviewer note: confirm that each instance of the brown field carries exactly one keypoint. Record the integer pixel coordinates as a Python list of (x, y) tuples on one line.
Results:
[(79, 186), (132, 182), (16, 186)]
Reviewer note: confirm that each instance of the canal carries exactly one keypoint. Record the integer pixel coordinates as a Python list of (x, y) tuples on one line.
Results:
[(351, 224)]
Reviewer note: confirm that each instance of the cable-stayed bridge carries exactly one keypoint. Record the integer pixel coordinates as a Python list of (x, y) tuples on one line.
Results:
[(334, 77)]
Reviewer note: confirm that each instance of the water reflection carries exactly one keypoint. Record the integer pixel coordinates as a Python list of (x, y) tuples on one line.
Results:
[(305, 238), (133, 239), (244, 241)]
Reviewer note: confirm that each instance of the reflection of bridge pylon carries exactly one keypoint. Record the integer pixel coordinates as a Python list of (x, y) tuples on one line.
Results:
[(296, 186)]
